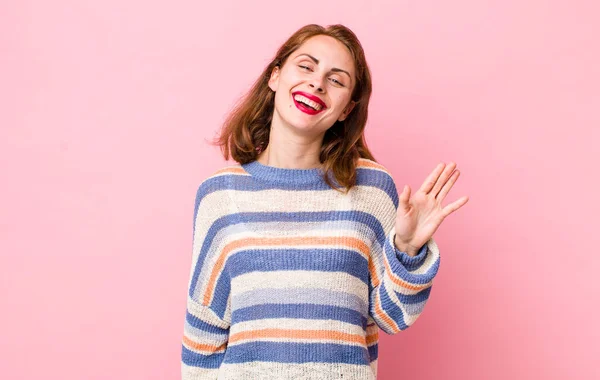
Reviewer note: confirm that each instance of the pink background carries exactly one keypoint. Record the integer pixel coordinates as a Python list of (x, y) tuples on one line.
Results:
[(106, 110)]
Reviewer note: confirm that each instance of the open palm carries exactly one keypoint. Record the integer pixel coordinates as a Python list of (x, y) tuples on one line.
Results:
[(419, 217)]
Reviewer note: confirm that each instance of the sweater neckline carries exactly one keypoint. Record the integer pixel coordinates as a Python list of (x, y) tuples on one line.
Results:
[(275, 174)]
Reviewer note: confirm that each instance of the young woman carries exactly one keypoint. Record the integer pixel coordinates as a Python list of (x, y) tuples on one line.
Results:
[(304, 249)]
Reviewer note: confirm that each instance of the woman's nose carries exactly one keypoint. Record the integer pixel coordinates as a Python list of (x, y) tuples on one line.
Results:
[(319, 88)]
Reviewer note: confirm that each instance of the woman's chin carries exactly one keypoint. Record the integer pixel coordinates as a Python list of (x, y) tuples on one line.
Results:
[(308, 129)]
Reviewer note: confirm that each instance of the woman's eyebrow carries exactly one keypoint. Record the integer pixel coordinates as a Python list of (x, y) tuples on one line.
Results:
[(335, 69)]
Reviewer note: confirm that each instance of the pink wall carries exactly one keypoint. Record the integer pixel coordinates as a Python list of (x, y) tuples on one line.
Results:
[(106, 109)]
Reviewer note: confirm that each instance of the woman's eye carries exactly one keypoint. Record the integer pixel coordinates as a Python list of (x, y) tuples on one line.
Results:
[(332, 79)]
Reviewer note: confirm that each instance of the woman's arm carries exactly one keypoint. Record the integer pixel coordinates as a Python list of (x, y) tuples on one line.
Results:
[(206, 328), (399, 284)]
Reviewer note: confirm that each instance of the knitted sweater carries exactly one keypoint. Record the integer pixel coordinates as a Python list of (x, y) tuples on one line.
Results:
[(291, 279)]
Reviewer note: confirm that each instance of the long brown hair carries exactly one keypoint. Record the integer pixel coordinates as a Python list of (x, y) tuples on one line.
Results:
[(245, 132)]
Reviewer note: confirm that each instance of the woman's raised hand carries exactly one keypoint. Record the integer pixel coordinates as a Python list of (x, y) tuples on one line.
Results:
[(420, 216)]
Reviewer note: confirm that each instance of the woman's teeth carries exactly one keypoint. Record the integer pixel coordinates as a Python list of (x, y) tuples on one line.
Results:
[(316, 106)]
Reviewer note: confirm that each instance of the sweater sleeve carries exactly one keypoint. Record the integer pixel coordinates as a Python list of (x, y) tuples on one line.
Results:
[(206, 325), (399, 285)]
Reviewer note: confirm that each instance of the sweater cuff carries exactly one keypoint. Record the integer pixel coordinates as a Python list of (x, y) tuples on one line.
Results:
[(419, 269), (406, 259)]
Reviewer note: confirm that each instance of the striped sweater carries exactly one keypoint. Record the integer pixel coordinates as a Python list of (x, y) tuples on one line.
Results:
[(291, 279)]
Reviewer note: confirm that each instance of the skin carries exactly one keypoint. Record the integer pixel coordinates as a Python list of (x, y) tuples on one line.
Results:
[(296, 137), (419, 217)]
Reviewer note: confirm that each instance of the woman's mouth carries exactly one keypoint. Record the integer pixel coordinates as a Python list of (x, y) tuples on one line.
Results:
[(307, 105)]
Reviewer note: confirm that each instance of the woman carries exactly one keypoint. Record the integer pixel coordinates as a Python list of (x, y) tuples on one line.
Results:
[(304, 249)]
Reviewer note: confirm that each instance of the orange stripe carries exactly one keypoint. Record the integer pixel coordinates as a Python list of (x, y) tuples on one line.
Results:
[(230, 170), (363, 163), (373, 271), (400, 282), (203, 347), (351, 242), (379, 310), (298, 334), (383, 316), (372, 338)]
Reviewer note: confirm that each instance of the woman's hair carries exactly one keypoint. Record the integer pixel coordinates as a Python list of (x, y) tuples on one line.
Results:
[(245, 132)]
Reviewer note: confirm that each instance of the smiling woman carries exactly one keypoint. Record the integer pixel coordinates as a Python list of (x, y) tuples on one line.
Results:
[(324, 83), (292, 277), (315, 67)]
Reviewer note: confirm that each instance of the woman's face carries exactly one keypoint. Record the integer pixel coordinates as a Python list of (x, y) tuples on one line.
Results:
[(321, 73)]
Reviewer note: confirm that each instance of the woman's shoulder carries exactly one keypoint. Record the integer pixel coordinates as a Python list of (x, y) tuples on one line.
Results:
[(218, 179), (368, 164), (370, 172), (222, 174)]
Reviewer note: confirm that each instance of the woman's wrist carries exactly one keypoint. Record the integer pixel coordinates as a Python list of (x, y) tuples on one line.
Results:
[(407, 248)]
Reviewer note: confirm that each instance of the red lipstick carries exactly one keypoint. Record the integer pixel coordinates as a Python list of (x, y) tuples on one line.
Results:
[(303, 107)]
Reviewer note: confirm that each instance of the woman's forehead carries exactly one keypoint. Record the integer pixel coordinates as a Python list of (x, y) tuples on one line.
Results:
[(327, 50)]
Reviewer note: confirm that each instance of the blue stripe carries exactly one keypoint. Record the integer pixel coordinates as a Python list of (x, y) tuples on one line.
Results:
[(204, 326), (327, 259), (294, 352), (419, 297), (299, 311), (203, 335), (195, 359), (411, 263), (389, 307), (380, 180), (374, 351), (199, 195), (364, 177), (306, 216), (400, 269), (221, 295)]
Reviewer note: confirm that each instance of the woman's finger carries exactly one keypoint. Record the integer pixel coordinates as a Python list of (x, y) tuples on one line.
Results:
[(449, 209), (432, 178), (403, 199), (447, 186), (443, 178)]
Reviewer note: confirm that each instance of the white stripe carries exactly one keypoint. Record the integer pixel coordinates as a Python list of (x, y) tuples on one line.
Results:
[(257, 370), (338, 281), (297, 324)]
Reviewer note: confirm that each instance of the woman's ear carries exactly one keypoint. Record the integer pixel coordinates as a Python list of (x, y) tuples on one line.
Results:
[(274, 79), (347, 110)]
